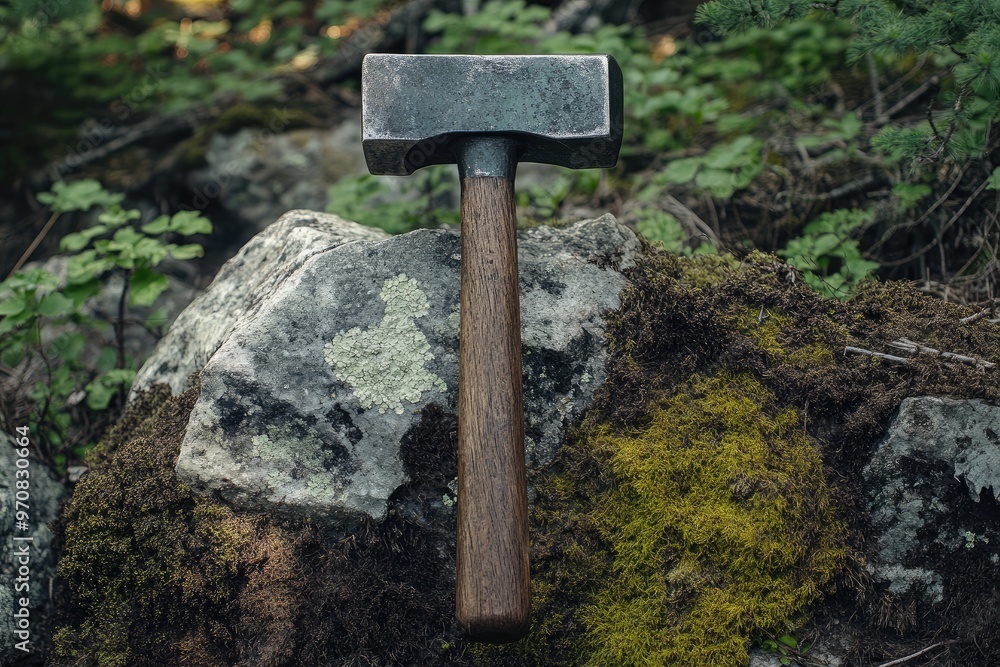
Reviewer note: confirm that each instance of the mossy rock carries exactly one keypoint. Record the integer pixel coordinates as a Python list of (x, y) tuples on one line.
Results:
[(709, 500)]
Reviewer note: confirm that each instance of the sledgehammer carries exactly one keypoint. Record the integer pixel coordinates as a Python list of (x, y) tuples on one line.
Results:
[(486, 113)]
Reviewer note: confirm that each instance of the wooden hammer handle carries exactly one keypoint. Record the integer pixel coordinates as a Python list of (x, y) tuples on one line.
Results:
[(493, 596)]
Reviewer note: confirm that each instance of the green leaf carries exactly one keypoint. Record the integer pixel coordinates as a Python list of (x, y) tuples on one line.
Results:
[(85, 267), (145, 286), (718, 182), (788, 640), (69, 347), (12, 355), (116, 216), (107, 359), (79, 240), (158, 226), (152, 250), (99, 395), (80, 292), (824, 243), (78, 196), (157, 317), (994, 180), (14, 305), (56, 305), (187, 223), (681, 171), (735, 154), (184, 252), (859, 268)]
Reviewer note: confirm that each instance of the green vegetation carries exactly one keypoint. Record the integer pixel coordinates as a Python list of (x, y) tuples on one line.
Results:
[(49, 327), (721, 528), (826, 243)]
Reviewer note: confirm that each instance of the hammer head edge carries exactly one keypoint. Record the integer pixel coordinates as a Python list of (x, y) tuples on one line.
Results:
[(563, 110)]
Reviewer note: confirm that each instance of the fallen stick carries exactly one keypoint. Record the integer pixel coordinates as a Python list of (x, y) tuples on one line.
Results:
[(977, 316), (900, 661), (887, 357), (916, 348)]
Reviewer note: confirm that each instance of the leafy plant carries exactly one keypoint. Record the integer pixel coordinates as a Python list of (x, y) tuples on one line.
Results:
[(45, 323), (828, 257), (722, 171), (369, 200), (786, 647)]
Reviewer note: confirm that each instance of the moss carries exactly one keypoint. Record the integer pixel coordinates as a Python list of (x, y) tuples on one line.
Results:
[(721, 526), (156, 576), (143, 558), (718, 527), (711, 496)]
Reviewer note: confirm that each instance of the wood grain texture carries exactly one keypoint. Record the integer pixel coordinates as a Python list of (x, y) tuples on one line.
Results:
[(493, 598)]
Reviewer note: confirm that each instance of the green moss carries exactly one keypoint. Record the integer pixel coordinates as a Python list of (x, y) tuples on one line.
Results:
[(721, 527), (680, 542), (762, 326)]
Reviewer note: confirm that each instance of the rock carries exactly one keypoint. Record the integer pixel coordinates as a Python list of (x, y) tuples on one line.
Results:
[(258, 174), (342, 345), (211, 317), (937, 454), (44, 496)]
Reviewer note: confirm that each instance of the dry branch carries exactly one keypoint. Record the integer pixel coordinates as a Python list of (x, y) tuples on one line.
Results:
[(887, 357), (978, 316), (916, 348), (900, 661)]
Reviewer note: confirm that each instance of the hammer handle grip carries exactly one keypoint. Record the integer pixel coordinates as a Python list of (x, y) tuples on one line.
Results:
[(493, 597)]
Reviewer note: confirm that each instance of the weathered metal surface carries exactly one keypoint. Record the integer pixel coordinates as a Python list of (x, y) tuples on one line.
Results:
[(564, 110)]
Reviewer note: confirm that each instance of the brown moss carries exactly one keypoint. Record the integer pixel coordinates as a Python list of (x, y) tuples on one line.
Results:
[(155, 575)]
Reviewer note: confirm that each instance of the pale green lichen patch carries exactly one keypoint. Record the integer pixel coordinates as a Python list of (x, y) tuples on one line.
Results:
[(305, 454), (385, 365)]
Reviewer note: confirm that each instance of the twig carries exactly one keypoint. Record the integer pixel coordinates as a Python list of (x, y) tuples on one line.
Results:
[(845, 189), (916, 348), (978, 316), (944, 228), (687, 217), (873, 79), (900, 661), (887, 357), (34, 244), (884, 118)]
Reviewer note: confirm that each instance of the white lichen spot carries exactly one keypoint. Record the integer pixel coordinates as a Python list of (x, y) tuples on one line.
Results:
[(385, 365), (970, 539), (448, 500)]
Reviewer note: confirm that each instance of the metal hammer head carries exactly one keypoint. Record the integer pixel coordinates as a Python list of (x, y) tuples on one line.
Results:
[(564, 110)]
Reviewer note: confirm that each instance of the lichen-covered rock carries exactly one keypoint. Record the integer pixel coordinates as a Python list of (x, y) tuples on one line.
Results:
[(27, 562), (241, 283), (712, 498), (939, 454), (306, 404)]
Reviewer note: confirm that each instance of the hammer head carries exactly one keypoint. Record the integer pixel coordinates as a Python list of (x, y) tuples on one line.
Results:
[(564, 110)]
